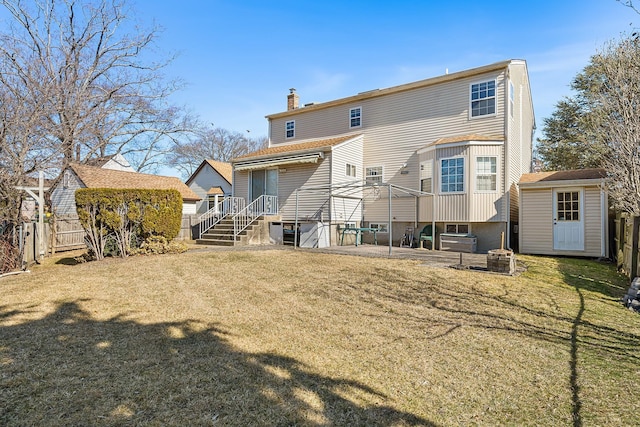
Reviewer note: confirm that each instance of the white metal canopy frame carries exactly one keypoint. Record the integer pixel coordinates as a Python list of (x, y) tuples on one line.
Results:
[(350, 189)]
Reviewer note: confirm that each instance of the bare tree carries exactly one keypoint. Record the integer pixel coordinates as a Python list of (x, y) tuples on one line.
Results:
[(215, 144), (611, 86), (87, 73)]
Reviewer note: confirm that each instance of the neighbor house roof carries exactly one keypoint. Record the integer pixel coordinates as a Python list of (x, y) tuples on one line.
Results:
[(215, 190), (567, 175), (225, 170), (295, 148), (95, 177)]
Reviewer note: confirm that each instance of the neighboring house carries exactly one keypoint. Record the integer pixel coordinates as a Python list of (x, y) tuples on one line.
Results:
[(460, 140), (113, 162), (82, 176), (564, 213), (211, 182)]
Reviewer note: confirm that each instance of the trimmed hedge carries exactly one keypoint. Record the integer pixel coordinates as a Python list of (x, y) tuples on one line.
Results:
[(127, 215)]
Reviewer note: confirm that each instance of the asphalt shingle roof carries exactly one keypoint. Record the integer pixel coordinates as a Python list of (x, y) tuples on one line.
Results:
[(95, 177)]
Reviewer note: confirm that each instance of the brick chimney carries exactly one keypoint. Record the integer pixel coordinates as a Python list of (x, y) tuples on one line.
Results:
[(292, 100)]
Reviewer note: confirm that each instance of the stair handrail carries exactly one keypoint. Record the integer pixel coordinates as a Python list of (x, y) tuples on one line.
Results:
[(227, 206), (263, 205)]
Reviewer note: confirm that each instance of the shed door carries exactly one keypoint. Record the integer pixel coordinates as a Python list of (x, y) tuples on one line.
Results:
[(568, 220)]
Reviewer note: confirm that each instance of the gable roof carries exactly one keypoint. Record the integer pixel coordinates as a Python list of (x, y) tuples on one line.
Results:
[(401, 88), (284, 149), (567, 175), (225, 170), (95, 177)]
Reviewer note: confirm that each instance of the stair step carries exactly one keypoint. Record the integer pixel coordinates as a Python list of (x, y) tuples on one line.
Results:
[(214, 242)]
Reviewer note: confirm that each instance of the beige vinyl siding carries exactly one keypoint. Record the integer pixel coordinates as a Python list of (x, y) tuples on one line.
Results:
[(403, 208), (536, 221), (241, 184), (486, 206), (312, 206), (592, 222), (398, 124), (347, 208)]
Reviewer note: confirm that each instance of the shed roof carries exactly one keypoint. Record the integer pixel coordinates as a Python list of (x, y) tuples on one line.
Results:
[(95, 177), (567, 175)]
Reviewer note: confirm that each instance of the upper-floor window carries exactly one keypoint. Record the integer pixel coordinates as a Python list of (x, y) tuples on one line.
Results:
[(486, 173), (355, 117), (426, 176), (373, 175), (483, 98), (350, 170), (290, 128), (452, 175)]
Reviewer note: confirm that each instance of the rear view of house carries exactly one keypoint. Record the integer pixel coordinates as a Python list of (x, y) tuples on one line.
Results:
[(447, 151)]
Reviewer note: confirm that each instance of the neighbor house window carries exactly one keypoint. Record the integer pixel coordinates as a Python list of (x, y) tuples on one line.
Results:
[(349, 224), (483, 98), (426, 176), (457, 228), (355, 117), (374, 175), (452, 175), (290, 128), (486, 174), (350, 170), (382, 227)]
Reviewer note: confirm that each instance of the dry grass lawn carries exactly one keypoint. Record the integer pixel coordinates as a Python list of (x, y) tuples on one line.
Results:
[(282, 337)]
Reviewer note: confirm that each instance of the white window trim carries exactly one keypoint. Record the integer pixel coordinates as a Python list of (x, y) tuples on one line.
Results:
[(286, 130), (495, 97), (465, 174), (360, 117), (367, 176), (475, 175), (382, 227), (350, 166)]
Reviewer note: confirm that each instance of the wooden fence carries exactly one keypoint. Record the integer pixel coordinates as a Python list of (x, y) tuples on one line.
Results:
[(627, 239)]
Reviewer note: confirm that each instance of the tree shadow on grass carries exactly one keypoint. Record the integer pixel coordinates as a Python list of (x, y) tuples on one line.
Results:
[(71, 369)]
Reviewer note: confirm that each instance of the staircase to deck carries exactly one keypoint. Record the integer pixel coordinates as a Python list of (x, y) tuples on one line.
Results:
[(222, 234), (228, 225)]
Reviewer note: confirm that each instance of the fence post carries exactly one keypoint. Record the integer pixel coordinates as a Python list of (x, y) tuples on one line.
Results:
[(633, 268)]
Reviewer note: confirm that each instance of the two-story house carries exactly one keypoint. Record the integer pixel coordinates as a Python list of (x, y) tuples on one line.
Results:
[(447, 150)]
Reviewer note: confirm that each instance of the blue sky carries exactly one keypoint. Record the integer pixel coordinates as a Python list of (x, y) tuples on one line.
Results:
[(239, 58)]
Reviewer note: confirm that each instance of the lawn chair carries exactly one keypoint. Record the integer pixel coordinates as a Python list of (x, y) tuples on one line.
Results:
[(426, 235)]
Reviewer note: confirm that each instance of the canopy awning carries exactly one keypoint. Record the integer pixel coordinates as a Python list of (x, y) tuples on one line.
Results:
[(280, 161)]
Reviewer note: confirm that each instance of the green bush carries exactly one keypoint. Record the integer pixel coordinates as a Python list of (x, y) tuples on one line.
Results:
[(122, 217)]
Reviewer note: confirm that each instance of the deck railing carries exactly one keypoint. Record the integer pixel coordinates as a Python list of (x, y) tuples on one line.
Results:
[(263, 205), (228, 206)]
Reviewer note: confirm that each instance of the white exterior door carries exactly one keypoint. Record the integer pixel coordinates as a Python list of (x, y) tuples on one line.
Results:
[(568, 219)]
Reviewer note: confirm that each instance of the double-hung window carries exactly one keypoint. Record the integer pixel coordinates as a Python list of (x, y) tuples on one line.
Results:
[(373, 175), (350, 170), (486, 174), (483, 98), (452, 175), (355, 117), (290, 128)]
